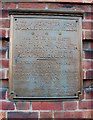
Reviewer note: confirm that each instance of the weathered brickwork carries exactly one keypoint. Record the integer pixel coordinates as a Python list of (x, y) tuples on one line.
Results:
[(42, 109)]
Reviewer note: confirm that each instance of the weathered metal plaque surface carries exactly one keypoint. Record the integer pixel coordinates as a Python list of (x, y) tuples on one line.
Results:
[(45, 59)]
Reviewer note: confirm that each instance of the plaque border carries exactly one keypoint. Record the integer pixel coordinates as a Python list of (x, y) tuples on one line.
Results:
[(12, 94)]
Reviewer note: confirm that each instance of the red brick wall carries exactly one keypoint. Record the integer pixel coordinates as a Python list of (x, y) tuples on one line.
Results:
[(57, 109)]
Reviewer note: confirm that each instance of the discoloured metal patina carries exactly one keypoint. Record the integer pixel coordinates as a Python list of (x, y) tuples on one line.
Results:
[(46, 53)]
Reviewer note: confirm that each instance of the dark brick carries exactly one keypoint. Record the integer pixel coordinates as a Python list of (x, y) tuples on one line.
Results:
[(88, 16), (88, 55), (2, 93), (87, 45), (23, 115), (89, 95), (92, 7), (4, 13), (5, 83), (87, 82), (89, 74), (91, 44), (2, 54), (5, 44)]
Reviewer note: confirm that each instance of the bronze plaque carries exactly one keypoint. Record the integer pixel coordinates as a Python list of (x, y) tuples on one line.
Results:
[(45, 56)]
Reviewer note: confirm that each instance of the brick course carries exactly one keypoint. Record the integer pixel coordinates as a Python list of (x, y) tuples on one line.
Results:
[(47, 106), (23, 105), (5, 23), (88, 34), (88, 114), (89, 95), (87, 64), (89, 74), (31, 5), (44, 115), (88, 55), (70, 105), (7, 5), (87, 25), (6, 105), (2, 33), (68, 115), (86, 104), (25, 115), (4, 63)]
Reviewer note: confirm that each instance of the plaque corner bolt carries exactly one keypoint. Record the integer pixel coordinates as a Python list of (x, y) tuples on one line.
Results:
[(15, 19), (12, 95), (79, 92)]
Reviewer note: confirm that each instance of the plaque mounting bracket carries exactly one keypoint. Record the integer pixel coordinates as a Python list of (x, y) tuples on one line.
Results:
[(72, 13), (14, 97)]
